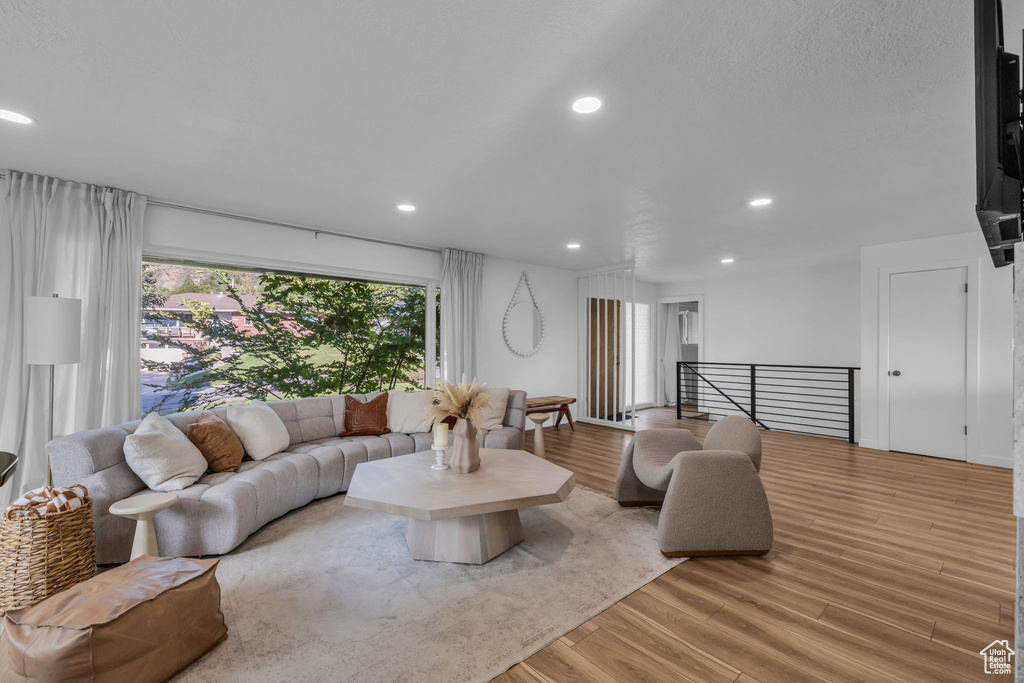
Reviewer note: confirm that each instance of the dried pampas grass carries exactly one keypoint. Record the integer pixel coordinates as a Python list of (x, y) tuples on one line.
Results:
[(463, 400)]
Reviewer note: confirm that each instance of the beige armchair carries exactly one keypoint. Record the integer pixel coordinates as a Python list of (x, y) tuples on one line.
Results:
[(711, 497)]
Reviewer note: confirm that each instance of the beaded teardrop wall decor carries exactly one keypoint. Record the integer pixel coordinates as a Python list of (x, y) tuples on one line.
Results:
[(516, 301)]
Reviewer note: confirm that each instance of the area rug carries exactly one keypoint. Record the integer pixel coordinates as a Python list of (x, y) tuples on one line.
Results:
[(329, 593)]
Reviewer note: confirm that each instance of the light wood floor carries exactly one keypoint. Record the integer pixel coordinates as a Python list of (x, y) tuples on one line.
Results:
[(886, 567)]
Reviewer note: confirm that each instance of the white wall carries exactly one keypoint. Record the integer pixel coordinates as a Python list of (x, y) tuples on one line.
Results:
[(805, 316), (990, 439), (179, 234), (175, 233), (553, 369), (799, 315)]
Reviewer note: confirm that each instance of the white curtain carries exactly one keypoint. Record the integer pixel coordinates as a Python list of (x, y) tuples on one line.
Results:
[(462, 279), (81, 242), (671, 354)]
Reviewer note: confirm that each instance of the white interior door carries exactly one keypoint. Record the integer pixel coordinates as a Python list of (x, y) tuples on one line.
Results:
[(928, 362)]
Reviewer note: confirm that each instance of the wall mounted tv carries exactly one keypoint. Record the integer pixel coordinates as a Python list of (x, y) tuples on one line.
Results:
[(998, 121)]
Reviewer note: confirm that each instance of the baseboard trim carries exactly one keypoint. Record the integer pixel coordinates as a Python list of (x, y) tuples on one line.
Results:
[(869, 443), (994, 461), (716, 553)]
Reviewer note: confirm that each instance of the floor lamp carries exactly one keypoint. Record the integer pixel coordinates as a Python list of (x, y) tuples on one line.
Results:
[(53, 336)]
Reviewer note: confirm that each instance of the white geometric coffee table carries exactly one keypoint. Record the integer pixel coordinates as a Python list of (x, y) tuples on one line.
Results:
[(451, 517)]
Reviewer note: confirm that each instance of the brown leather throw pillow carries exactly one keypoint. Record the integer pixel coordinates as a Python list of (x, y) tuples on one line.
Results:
[(366, 419), (217, 442)]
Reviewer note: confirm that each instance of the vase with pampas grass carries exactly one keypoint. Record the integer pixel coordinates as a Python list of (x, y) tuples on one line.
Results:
[(464, 402)]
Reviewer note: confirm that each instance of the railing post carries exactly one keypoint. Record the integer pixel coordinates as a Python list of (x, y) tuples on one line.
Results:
[(679, 391), (753, 393), (850, 402)]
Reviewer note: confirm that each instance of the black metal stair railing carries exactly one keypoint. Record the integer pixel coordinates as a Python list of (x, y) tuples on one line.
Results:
[(807, 399)]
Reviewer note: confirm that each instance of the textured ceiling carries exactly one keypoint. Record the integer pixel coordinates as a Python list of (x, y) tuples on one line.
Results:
[(855, 115)]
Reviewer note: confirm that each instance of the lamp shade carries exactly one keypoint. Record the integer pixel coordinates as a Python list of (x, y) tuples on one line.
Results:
[(53, 330)]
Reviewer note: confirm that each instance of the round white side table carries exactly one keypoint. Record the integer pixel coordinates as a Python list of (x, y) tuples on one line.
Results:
[(142, 509), (538, 433)]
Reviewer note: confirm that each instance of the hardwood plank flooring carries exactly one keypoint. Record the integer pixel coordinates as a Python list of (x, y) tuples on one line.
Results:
[(886, 567)]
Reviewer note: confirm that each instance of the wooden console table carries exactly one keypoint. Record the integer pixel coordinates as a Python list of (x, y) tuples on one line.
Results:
[(552, 404)]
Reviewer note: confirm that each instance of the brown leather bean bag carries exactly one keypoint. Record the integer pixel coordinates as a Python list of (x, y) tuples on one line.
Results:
[(143, 621)]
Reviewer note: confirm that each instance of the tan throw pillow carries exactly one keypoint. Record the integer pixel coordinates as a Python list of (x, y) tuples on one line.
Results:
[(408, 411), (366, 419), (218, 444), (494, 411)]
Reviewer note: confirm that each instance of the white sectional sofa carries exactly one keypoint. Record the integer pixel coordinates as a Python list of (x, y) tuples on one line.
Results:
[(218, 512)]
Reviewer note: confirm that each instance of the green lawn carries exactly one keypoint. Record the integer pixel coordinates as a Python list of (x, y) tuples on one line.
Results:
[(321, 356)]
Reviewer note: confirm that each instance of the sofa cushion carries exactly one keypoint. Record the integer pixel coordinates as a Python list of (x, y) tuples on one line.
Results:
[(306, 476), (217, 442), (260, 429), (422, 442), (277, 484), (162, 456), (376, 448), (503, 437), (366, 419), (401, 444), (330, 463), (208, 519), (315, 418), (354, 452)]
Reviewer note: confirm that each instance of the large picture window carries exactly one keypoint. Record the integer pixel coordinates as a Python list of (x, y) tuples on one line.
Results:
[(214, 336)]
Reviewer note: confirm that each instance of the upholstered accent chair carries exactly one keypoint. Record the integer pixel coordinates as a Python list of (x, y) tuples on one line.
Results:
[(711, 497)]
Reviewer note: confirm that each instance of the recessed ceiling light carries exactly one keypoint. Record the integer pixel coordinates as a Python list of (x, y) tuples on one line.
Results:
[(573, 245), (406, 207), (14, 117), (586, 105), (761, 201), (728, 260)]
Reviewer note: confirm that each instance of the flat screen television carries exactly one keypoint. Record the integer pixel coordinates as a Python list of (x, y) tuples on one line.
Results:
[(998, 126)]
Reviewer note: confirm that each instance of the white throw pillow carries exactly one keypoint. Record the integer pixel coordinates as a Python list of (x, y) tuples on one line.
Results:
[(407, 411), (494, 411), (162, 456), (260, 430)]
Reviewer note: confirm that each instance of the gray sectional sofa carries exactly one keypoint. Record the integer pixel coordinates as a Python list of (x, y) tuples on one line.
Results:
[(218, 512)]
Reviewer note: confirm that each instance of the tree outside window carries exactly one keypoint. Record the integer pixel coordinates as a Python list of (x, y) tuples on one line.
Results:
[(240, 336)]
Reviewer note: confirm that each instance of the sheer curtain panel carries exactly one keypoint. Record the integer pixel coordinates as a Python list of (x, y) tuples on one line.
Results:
[(462, 279), (671, 354), (83, 242)]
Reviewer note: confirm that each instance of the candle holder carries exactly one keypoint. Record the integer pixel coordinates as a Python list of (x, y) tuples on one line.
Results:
[(439, 454)]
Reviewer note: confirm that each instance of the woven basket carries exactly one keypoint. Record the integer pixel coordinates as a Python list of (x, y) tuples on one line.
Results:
[(42, 554)]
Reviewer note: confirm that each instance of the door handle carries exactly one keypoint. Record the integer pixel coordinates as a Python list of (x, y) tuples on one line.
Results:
[(895, 373)]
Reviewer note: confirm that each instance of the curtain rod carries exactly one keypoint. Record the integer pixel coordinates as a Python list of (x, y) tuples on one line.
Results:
[(291, 226)]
